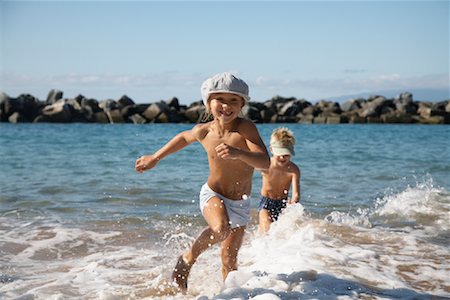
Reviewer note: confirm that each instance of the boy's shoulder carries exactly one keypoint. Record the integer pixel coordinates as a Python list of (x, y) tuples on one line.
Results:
[(245, 126), (294, 168), (201, 130), (290, 168)]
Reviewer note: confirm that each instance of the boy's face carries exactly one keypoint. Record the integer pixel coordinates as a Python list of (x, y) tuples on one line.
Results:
[(225, 106), (281, 160)]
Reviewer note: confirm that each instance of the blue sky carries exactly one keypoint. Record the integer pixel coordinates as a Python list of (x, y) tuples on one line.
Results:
[(157, 50)]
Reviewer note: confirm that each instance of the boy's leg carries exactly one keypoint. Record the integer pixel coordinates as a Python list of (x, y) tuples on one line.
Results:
[(230, 249), (216, 216), (265, 220)]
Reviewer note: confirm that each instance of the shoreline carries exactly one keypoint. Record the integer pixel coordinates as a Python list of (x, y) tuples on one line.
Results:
[(374, 110)]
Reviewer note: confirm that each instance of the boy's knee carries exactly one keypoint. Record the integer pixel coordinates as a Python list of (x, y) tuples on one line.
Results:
[(221, 231)]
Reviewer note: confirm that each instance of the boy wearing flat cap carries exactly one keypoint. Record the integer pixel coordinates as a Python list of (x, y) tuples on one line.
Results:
[(278, 179)]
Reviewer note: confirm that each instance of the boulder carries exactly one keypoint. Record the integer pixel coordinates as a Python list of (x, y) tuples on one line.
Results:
[(114, 116), (373, 106), (290, 109), (174, 103), (194, 114), (137, 119), (17, 118), (252, 112), (320, 120), (396, 118), (305, 119), (357, 119), (3, 114), (267, 114), (130, 110), (101, 117), (373, 120), (124, 101), (108, 105), (154, 110), (59, 112), (26, 105), (53, 96), (312, 110), (277, 102), (91, 103), (432, 120), (352, 104), (339, 119)]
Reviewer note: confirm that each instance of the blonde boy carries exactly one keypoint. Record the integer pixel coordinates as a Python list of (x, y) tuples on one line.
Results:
[(278, 178)]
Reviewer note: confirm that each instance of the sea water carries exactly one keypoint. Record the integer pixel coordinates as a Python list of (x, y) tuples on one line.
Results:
[(77, 222)]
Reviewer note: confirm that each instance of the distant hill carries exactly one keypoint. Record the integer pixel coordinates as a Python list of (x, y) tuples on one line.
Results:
[(432, 95)]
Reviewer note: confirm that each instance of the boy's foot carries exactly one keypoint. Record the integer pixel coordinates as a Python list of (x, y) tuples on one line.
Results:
[(180, 273)]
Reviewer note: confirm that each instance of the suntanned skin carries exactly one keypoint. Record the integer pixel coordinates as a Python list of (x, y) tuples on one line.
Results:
[(234, 148), (277, 180)]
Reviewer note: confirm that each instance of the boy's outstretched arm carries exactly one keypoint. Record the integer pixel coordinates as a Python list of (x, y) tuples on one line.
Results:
[(177, 143)]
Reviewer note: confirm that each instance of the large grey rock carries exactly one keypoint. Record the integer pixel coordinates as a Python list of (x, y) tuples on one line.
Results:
[(26, 105), (114, 116), (108, 105), (101, 117), (252, 112), (59, 112), (352, 104), (53, 96), (91, 103), (155, 110), (137, 119), (130, 110), (194, 114), (397, 118), (17, 118), (174, 103), (124, 101), (372, 107)]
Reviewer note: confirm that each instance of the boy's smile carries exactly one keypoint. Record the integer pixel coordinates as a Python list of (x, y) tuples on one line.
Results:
[(282, 160), (225, 106)]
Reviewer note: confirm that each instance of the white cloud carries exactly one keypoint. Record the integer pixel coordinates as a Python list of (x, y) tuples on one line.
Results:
[(346, 84), (186, 85)]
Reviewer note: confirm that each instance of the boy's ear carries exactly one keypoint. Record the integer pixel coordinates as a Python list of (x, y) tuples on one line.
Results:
[(270, 148)]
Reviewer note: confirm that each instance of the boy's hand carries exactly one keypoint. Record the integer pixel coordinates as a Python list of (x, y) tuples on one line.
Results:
[(146, 162), (227, 152)]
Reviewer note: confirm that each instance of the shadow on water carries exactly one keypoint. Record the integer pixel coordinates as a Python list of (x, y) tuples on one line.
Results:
[(310, 285)]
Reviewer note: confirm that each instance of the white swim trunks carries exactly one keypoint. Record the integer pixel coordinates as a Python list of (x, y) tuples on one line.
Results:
[(238, 210)]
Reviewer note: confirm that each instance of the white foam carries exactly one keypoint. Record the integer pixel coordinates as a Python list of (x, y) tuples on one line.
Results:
[(300, 257)]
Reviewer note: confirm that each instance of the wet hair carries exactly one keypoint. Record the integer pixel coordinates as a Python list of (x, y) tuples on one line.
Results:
[(284, 136)]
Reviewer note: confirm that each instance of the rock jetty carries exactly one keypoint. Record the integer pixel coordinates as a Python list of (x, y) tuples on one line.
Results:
[(375, 109)]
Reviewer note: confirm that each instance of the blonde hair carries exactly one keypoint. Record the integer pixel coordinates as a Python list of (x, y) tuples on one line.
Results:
[(284, 136)]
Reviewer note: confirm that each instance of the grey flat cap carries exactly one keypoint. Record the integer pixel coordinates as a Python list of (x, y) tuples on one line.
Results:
[(224, 83)]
